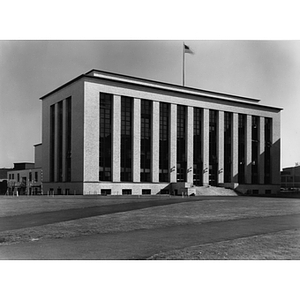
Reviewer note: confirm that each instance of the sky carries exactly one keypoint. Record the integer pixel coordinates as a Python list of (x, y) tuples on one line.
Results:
[(267, 70)]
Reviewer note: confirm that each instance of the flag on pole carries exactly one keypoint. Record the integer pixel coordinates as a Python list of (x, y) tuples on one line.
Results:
[(187, 49)]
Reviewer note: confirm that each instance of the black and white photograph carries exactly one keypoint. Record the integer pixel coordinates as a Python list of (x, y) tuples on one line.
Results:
[(149, 152)]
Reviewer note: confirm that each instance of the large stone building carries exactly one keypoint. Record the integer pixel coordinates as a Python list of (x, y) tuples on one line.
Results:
[(106, 133)]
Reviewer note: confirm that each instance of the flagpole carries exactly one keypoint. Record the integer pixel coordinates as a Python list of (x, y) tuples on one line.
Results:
[(183, 65)]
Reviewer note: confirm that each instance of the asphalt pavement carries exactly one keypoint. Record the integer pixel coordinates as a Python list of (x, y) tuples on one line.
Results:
[(141, 244), (50, 217)]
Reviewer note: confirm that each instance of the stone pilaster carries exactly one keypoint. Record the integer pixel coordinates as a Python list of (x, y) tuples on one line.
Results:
[(155, 142), (205, 146), (136, 161), (248, 150), (116, 139), (173, 143), (220, 149), (190, 143), (235, 148), (261, 149)]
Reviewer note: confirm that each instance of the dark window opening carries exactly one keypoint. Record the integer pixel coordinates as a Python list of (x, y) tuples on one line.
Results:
[(268, 145), (68, 137), (255, 148), (181, 140), (52, 141), (146, 112), (146, 192), (126, 192), (213, 159), (164, 119), (227, 146), (126, 138), (105, 140), (241, 148), (105, 192), (198, 164), (60, 142)]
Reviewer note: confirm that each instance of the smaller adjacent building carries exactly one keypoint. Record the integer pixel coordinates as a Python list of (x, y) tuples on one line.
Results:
[(3, 180), (290, 178), (26, 178)]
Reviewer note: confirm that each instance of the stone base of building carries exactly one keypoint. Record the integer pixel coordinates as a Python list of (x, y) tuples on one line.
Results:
[(178, 188), (258, 189)]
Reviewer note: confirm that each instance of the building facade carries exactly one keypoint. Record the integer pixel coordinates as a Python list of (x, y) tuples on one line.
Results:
[(105, 133), (290, 178), (26, 178)]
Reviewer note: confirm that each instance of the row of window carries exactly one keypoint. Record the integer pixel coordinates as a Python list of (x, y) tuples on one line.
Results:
[(30, 178), (105, 174)]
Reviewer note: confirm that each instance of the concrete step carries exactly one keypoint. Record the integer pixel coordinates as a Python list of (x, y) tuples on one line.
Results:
[(213, 191)]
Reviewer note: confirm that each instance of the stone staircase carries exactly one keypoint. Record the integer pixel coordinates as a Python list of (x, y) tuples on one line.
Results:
[(212, 191), (185, 188)]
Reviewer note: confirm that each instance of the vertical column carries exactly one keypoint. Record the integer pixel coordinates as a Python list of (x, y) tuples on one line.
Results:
[(91, 134), (220, 146), (173, 143), (116, 139), (155, 142), (64, 141), (248, 149), (205, 146), (190, 144), (56, 143), (136, 162), (261, 153), (235, 149), (275, 150)]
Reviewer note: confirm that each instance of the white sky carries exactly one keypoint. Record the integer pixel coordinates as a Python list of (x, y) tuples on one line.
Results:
[(266, 70)]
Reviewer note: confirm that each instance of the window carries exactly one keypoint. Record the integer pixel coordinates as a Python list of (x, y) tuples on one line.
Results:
[(165, 192), (105, 147), (106, 192), (198, 164), (126, 192), (52, 140), (164, 119), (60, 141), (36, 176), (213, 159), (146, 111), (146, 192), (268, 144), (30, 176), (126, 138), (227, 146), (181, 140), (241, 148), (69, 138), (255, 148)]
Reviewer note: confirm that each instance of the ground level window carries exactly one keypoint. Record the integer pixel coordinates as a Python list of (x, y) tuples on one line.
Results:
[(255, 192), (126, 192), (106, 192), (268, 192), (165, 192), (67, 191), (146, 192)]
